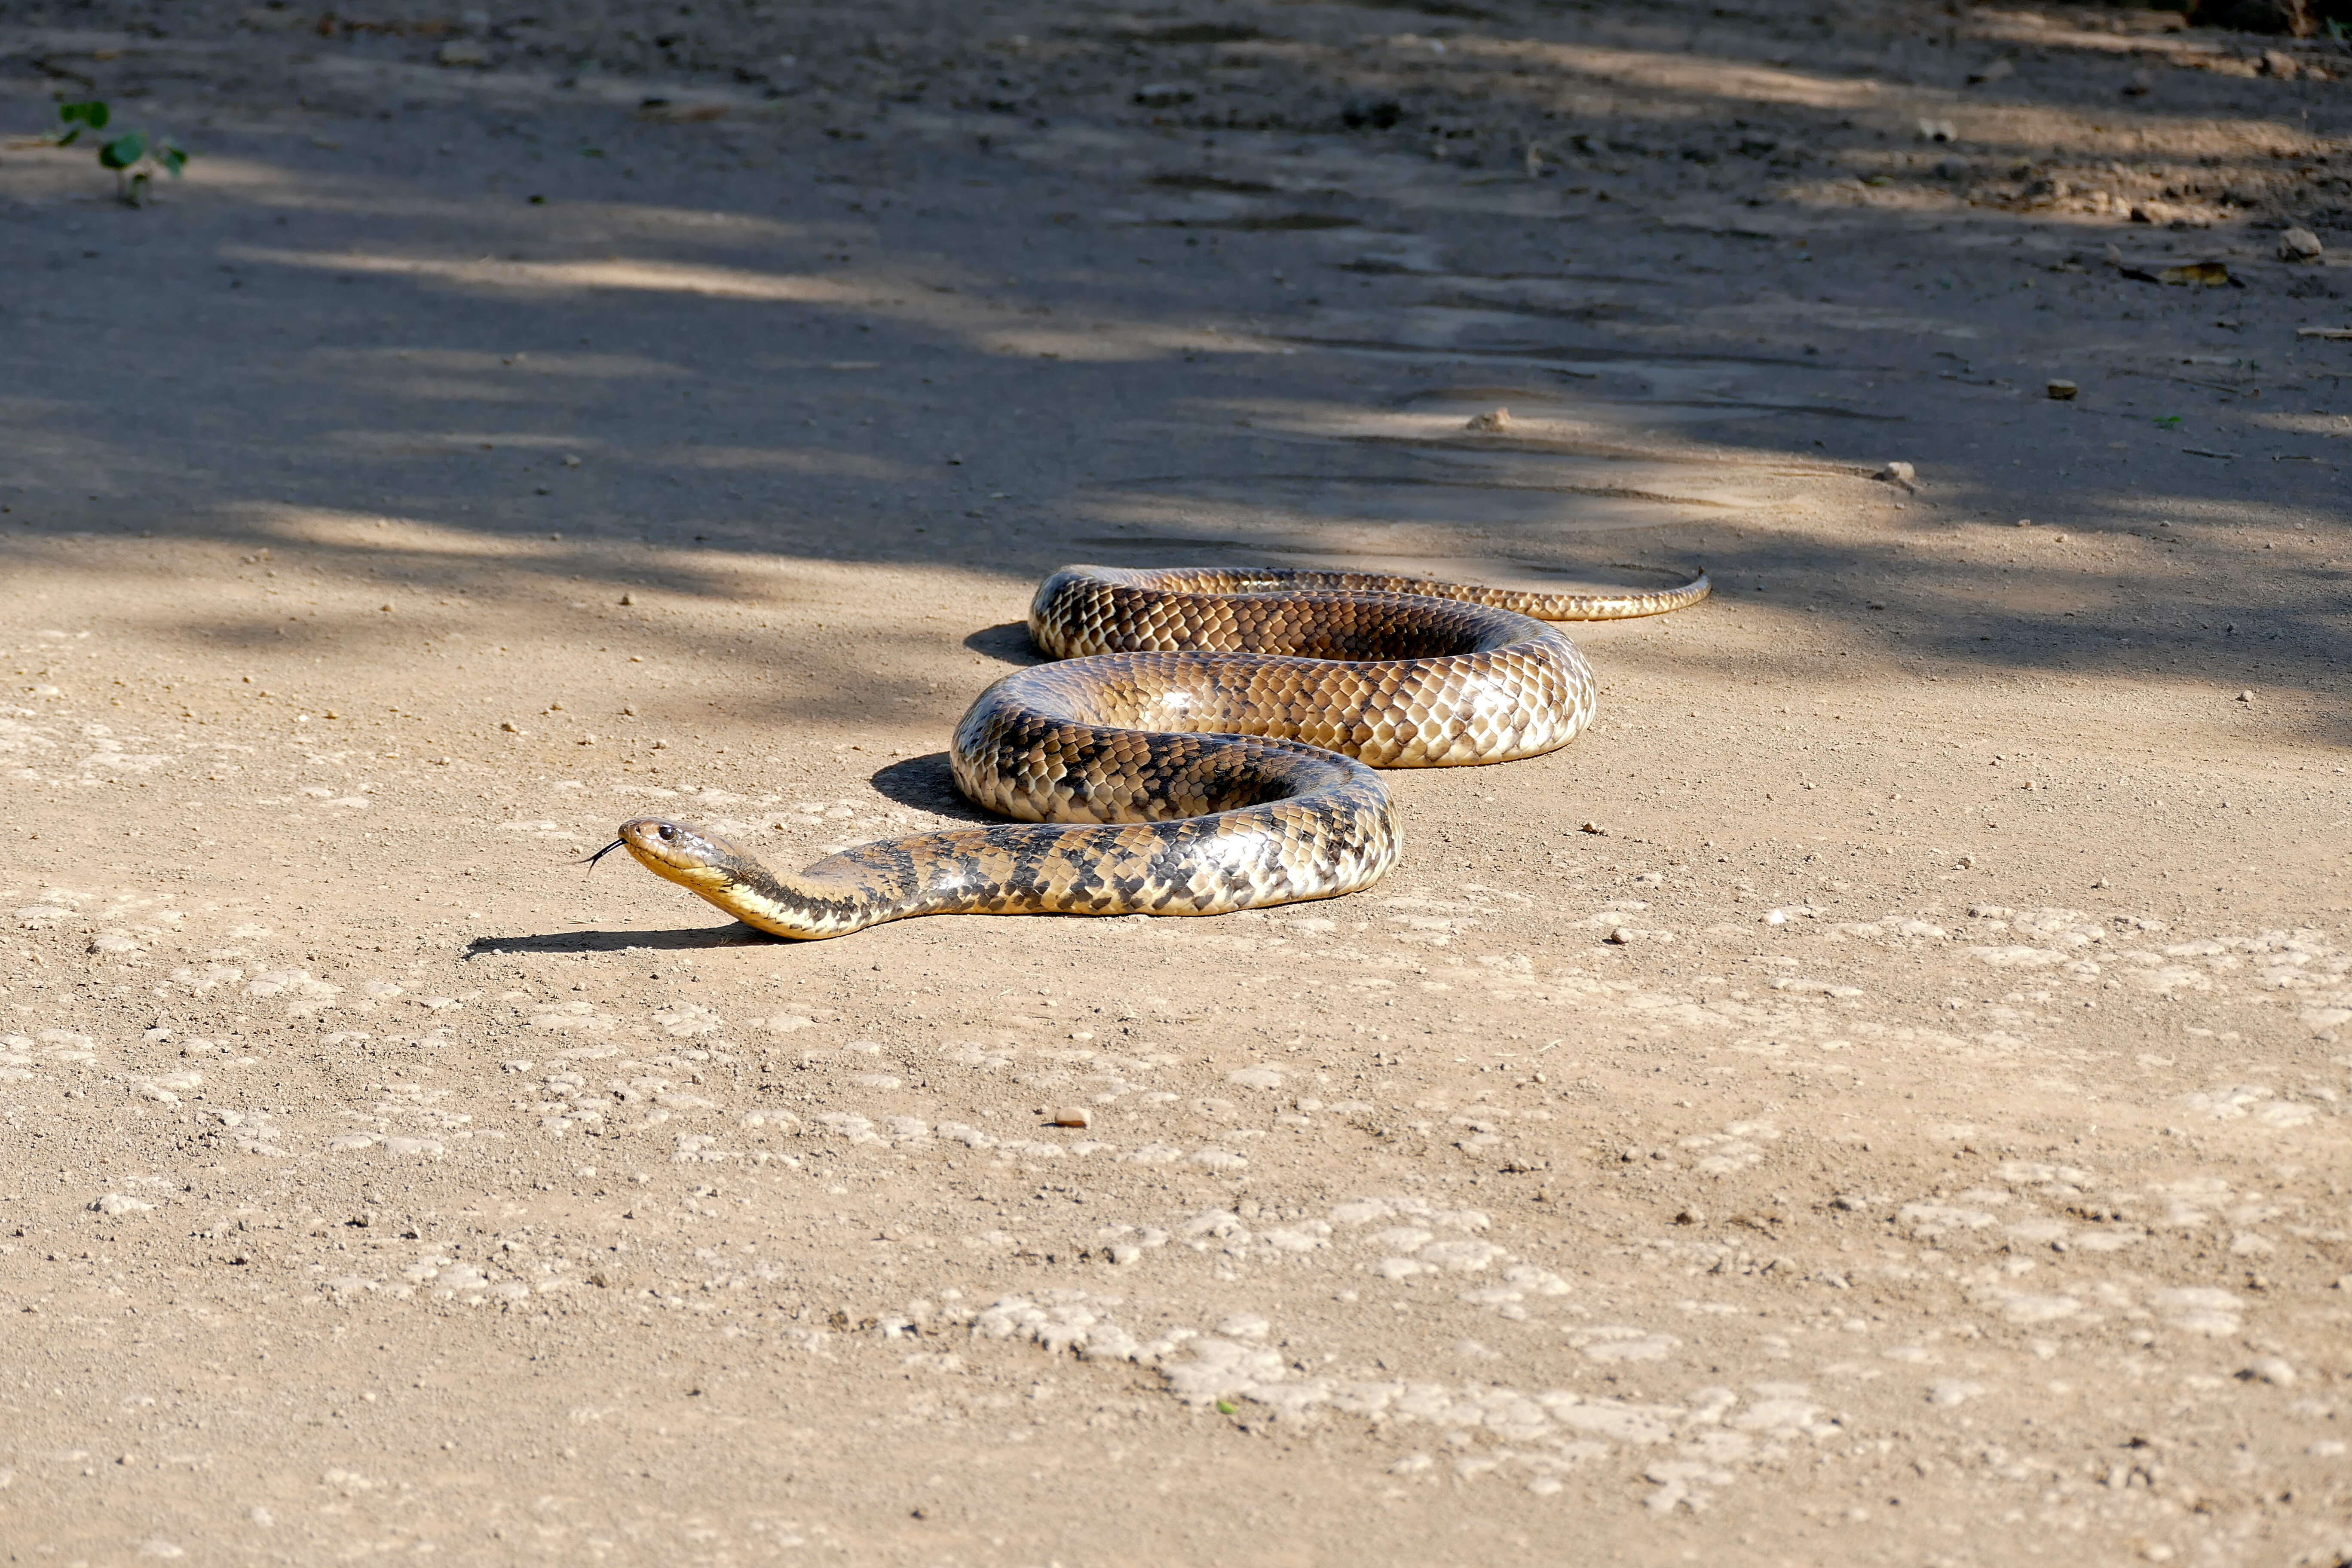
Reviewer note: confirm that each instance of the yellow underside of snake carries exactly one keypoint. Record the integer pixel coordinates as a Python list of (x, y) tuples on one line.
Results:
[(1205, 744)]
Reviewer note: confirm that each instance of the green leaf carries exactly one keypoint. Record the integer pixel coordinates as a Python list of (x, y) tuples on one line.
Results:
[(1226, 1408), (91, 112), (173, 156), (123, 152), (70, 137)]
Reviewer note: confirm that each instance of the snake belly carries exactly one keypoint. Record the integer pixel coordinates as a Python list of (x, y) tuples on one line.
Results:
[(1204, 743)]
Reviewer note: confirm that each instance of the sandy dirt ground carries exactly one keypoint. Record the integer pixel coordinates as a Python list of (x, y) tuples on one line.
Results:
[(1880, 1096)]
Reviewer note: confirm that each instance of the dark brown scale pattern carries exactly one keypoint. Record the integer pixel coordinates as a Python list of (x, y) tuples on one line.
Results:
[(1206, 744)]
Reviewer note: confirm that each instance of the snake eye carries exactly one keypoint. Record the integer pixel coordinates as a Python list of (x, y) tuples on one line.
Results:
[(669, 834)]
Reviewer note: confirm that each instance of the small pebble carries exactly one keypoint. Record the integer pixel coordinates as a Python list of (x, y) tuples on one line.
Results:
[(2063, 391), (2268, 1369), (2300, 245), (1071, 1116)]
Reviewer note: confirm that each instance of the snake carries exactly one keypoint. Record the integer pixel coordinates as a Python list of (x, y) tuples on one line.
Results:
[(1204, 740)]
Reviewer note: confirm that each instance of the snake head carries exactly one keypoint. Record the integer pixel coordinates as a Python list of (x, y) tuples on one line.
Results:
[(680, 852)]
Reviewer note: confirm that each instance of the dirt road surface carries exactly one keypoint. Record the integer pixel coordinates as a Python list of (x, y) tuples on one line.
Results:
[(1880, 1096)]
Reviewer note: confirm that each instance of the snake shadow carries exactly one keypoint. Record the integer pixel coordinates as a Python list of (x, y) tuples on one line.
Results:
[(696, 938), (1007, 642), (928, 784)]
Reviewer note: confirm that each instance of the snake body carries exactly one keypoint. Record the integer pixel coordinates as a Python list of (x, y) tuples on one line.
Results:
[(1206, 743)]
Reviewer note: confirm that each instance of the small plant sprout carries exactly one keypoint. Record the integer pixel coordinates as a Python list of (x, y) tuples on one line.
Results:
[(133, 155)]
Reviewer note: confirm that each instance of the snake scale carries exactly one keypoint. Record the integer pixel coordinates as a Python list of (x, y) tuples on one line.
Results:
[(1206, 743)]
